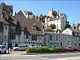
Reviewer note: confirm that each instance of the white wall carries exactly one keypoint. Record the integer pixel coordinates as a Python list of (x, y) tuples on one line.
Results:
[(60, 23), (67, 31)]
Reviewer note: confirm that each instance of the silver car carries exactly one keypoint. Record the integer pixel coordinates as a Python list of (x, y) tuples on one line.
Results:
[(3, 49)]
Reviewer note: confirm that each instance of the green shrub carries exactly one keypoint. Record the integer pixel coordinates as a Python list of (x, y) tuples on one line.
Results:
[(49, 50), (43, 50), (38, 50)]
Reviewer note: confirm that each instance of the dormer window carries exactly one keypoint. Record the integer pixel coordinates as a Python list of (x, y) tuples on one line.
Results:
[(74, 27), (35, 27)]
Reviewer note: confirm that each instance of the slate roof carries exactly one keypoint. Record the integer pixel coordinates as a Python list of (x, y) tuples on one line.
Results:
[(28, 23)]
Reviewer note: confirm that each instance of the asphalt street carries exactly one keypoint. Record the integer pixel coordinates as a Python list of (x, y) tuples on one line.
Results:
[(55, 56)]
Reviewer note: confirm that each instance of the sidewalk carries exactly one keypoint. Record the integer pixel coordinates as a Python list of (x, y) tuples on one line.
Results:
[(18, 52), (68, 58), (15, 53), (21, 55)]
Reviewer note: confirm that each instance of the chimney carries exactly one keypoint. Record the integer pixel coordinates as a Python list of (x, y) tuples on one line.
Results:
[(37, 18), (1, 15), (77, 27)]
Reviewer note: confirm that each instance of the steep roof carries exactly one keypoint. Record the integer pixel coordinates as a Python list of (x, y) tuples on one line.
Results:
[(28, 23)]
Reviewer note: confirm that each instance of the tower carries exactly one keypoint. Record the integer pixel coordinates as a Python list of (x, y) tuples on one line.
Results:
[(6, 10), (50, 13)]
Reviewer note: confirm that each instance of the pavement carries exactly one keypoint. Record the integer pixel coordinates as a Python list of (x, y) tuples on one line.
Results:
[(21, 55)]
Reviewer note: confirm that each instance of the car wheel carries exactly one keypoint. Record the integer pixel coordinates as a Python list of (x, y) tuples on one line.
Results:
[(0, 52), (5, 52)]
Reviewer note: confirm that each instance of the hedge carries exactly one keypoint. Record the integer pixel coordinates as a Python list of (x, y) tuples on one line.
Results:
[(43, 50), (38, 50), (49, 50)]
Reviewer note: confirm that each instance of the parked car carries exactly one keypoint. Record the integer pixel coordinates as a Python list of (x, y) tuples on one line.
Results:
[(21, 47), (38, 46), (15, 48), (3, 49)]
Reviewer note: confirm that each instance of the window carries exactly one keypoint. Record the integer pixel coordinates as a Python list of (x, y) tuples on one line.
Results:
[(26, 36), (36, 28), (12, 36), (6, 28), (61, 44), (76, 34), (34, 37), (75, 44), (79, 34), (1, 27), (12, 29), (79, 44), (50, 37), (74, 27), (5, 37)]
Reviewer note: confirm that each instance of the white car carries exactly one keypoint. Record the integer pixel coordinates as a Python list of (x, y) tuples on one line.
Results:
[(15, 48), (21, 47), (35, 46), (3, 49)]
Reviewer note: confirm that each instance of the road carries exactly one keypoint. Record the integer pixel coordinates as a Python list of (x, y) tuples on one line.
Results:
[(55, 56)]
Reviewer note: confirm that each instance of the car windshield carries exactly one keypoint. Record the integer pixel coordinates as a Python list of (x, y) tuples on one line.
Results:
[(20, 46), (23, 46)]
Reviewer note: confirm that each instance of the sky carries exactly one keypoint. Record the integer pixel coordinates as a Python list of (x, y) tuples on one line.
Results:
[(70, 7)]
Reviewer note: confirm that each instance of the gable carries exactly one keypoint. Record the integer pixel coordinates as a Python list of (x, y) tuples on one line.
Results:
[(67, 31)]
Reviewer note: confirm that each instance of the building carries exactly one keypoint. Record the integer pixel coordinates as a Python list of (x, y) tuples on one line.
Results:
[(24, 27), (67, 39), (56, 18), (5, 12), (26, 30)]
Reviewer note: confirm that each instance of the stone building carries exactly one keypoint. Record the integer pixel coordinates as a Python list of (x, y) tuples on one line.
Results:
[(54, 17), (5, 12), (67, 39), (26, 30)]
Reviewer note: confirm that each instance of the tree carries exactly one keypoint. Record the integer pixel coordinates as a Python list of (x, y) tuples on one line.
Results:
[(52, 26), (54, 14), (42, 18), (67, 25)]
